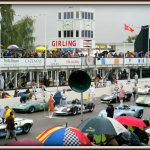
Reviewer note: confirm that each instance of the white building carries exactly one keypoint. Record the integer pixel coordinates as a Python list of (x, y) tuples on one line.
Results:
[(75, 29)]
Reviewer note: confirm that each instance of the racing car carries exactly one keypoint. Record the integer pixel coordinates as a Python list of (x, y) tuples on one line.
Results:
[(22, 126), (125, 110), (111, 98), (143, 101), (143, 90), (31, 106), (74, 107)]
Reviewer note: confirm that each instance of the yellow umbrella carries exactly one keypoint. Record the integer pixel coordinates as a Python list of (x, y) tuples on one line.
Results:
[(54, 49), (40, 48)]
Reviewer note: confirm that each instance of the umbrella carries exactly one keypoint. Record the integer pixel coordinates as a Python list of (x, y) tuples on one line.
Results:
[(102, 125), (63, 136), (131, 121), (25, 142), (40, 48), (12, 47)]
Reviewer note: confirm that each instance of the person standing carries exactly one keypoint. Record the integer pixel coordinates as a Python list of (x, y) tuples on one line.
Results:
[(51, 102), (110, 110), (115, 91), (63, 101), (34, 85), (121, 94), (10, 128), (92, 92), (135, 91), (136, 78)]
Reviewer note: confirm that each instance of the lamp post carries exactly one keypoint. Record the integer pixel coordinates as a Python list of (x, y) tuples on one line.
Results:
[(0, 34)]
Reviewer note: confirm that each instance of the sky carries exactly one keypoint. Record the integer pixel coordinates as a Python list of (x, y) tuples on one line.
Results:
[(109, 19)]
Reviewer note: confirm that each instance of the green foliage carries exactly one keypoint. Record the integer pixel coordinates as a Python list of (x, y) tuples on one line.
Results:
[(23, 31), (19, 33), (7, 14), (131, 39)]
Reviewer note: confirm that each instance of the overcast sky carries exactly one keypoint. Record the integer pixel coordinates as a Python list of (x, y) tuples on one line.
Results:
[(109, 19)]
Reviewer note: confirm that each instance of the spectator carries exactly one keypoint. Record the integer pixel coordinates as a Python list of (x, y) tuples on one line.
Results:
[(136, 78), (135, 91), (16, 92), (110, 110), (11, 85), (51, 102), (121, 94), (91, 138), (92, 92), (63, 101), (10, 128)]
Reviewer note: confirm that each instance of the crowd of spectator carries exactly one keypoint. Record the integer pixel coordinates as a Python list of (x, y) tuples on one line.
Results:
[(59, 53)]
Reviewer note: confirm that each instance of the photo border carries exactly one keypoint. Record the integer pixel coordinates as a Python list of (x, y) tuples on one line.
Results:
[(86, 2)]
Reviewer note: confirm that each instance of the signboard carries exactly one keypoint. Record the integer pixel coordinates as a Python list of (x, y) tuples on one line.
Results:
[(72, 43)]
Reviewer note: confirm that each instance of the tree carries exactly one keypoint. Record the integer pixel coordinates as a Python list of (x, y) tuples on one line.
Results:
[(131, 39), (19, 33), (7, 14), (23, 31)]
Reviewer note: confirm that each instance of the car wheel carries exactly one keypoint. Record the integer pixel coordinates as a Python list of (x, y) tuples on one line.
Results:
[(140, 114), (31, 109), (91, 108), (75, 111), (26, 128)]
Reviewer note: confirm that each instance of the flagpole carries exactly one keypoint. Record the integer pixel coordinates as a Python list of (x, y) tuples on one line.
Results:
[(124, 47), (148, 42)]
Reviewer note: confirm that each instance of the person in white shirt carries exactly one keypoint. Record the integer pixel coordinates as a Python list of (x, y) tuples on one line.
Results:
[(63, 101), (92, 92)]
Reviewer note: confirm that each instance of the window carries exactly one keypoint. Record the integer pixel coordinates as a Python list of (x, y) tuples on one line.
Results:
[(68, 15), (77, 15), (71, 15), (65, 34), (85, 15), (77, 33), (71, 33), (91, 34), (89, 16), (82, 33), (59, 33), (68, 33), (59, 15), (86, 33), (82, 15), (65, 15), (92, 16)]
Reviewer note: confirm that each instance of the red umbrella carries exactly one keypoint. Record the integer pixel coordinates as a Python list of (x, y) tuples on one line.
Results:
[(131, 121), (25, 142)]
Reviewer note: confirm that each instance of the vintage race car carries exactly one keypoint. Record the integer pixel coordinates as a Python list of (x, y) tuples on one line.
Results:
[(143, 90), (125, 110), (74, 107), (111, 98), (22, 125), (31, 106), (143, 101)]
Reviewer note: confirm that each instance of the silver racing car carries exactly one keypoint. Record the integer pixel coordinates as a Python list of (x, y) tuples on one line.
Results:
[(74, 107)]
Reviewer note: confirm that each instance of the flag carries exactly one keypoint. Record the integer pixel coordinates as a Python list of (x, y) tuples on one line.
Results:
[(127, 27)]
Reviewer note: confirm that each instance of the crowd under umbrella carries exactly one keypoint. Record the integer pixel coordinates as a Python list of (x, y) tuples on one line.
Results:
[(63, 136), (101, 126), (131, 121), (13, 46)]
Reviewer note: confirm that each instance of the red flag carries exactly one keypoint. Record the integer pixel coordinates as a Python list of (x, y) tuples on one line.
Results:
[(127, 27)]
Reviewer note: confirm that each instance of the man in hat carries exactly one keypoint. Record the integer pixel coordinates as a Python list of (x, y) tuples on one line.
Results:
[(110, 110)]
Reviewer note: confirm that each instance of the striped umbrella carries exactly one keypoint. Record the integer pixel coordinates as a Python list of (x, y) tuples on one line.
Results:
[(63, 136)]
